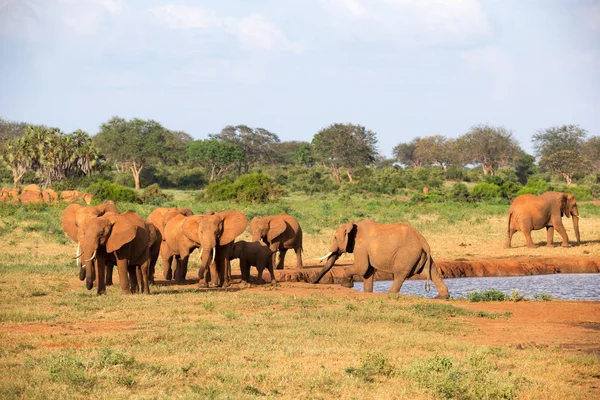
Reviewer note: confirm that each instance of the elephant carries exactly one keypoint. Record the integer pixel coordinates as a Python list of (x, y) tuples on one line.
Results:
[(31, 194), (122, 239), (279, 232), (50, 196), (74, 217), (394, 248), (73, 196), (214, 233), (253, 254), (4, 196), (155, 221), (529, 212)]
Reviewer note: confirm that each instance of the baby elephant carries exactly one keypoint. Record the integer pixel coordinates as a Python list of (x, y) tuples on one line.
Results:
[(253, 254)]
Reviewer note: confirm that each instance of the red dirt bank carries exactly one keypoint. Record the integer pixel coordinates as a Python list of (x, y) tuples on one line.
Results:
[(460, 269)]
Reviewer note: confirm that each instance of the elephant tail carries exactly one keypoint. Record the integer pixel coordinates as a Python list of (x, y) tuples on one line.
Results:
[(429, 263), (510, 214)]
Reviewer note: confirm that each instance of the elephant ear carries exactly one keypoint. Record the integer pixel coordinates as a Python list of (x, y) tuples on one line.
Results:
[(571, 202), (276, 227), (190, 228), (69, 221), (122, 233), (186, 212), (564, 208), (152, 234), (234, 224), (350, 230)]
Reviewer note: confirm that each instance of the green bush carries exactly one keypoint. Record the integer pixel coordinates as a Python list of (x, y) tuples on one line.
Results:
[(487, 295), (153, 195), (581, 192), (459, 192), (509, 190), (535, 186), (254, 188), (310, 180), (486, 191), (105, 190)]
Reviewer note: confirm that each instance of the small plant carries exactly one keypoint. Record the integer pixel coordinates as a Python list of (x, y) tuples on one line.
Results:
[(543, 297), (105, 190), (487, 295), (153, 195), (372, 364)]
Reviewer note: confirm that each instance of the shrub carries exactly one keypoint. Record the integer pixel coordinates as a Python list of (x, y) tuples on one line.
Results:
[(153, 195), (105, 190), (372, 364), (487, 295), (535, 186), (459, 192), (255, 188), (509, 190), (581, 192), (486, 191)]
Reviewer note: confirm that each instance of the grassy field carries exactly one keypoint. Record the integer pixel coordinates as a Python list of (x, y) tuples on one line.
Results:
[(59, 340)]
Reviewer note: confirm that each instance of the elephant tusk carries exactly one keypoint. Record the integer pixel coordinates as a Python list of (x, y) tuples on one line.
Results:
[(214, 254), (93, 256), (577, 216), (78, 254), (326, 256)]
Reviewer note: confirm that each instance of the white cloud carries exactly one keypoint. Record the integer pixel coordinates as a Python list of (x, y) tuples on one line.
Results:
[(426, 21), (187, 17), (113, 6), (254, 32)]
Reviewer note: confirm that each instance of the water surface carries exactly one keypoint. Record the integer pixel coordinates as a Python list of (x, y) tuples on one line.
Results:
[(561, 286)]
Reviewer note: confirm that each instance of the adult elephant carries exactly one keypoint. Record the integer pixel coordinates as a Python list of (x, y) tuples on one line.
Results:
[(74, 217), (122, 239), (213, 232), (280, 232), (529, 212), (398, 249), (156, 221)]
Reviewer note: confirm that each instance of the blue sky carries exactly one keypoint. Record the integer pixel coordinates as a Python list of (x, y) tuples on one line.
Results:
[(403, 68)]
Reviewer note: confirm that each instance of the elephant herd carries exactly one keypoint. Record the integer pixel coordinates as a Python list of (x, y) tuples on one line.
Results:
[(107, 238), (32, 194)]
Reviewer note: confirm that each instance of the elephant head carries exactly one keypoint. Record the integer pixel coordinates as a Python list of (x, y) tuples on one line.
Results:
[(75, 216), (214, 231), (100, 236), (266, 229), (344, 239), (568, 208)]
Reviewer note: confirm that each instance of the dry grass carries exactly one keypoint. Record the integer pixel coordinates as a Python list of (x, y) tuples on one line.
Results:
[(291, 341)]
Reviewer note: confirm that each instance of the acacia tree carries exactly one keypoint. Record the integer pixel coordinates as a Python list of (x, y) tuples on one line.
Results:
[(435, 150), (303, 155), (214, 155), (405, 153), (590, 149), (347, 146), (133, 144), (556, 138), (491, 147), (566, 163), (255, 143)]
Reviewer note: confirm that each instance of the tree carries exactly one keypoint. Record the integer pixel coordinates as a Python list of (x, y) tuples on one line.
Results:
[(304, 155), (135, 143), (556, 138), (256, 143), (214, 155), (17, 156), (491, 147), (345, 145), (434, 150), (285, 151), (566, 163), (405, 153), (590, 149), (11, 129)]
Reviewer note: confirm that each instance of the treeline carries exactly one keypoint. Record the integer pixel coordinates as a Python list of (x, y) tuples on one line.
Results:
[(343, 157)]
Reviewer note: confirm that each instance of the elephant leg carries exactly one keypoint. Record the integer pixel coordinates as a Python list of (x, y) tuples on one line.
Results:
[(109, 272), (100, 266), (360, 267), (181, 271), (281, 258), (272, 273), (368, 280), (563, 233), (439, 283), (509, 235), (528, 239), (299, 257), (399, 279), (245, 269), (167, 272), (260, 268), (123, 276), (133, 279), (549, 236), (151, 268), (145, 281), (224, 267)]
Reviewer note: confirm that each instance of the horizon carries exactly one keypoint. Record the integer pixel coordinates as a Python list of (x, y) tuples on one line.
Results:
[(401, 68)]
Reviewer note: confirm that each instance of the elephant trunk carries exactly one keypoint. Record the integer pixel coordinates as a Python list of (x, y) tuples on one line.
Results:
[(89, 260), (330, 263), (576, 227)]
